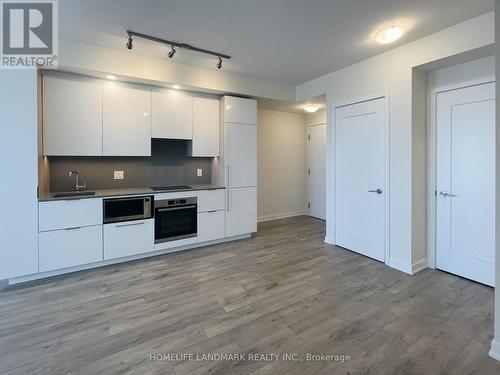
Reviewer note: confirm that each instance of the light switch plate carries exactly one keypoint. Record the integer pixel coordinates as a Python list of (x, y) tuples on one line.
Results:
[(199, 172), (119, 175)]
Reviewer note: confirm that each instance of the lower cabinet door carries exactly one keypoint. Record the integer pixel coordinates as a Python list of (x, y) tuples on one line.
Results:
[(128, 238), (69, 247), (211, 226), (241, 211)]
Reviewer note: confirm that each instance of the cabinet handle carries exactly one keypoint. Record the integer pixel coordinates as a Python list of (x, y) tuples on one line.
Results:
[(74, 228), (176, 208), (227, 173), (211, 212), (130, 225), (227, 203)]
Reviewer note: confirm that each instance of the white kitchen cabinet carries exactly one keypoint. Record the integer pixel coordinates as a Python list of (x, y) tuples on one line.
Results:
[(211, 225), (241, 211), (240, 110), (211, 200), (72, 116), (126, 120), (240, 155), (172, 115), (69, 247), (128, 238), (205, 128), (62, 214)]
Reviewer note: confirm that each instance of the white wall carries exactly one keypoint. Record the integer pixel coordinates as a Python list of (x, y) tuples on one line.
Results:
[(392, 72), (316, 118), (495, 344), (281, 158), (18, 166), (92, 60), (462, 73)]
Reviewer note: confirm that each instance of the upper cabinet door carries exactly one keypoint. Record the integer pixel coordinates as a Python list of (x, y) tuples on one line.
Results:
[(241, 155), (205, 128), (172, 115), (72, 116), (240, 111), (126, 121)]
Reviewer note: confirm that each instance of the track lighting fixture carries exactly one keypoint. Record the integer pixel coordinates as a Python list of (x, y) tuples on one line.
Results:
[(174, 45), (172, 52), (129, 42)]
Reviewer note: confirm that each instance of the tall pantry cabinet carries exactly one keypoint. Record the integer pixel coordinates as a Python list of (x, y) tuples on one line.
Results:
[(238, 164)]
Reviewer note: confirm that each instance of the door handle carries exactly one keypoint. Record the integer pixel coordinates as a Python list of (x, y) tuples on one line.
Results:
[(445, 194), (378, 191)]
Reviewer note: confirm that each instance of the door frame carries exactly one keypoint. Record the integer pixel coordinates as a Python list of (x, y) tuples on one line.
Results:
[(308, 162), (333, 143), (432, 160)]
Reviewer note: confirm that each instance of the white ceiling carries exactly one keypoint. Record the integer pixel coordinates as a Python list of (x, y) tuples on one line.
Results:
[(291, 41), (297, 107)]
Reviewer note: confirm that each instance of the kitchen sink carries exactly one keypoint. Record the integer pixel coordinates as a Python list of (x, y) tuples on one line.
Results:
[(74, 194)]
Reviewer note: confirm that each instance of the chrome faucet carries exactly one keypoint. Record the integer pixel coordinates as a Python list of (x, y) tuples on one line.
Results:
[(78, 187)]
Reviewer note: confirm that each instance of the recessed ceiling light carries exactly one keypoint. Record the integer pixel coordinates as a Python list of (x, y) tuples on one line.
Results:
[(111, 76), (177, 87), (311, 108), (389, 34)]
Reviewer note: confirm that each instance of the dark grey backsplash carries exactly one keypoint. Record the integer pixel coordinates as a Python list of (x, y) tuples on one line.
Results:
[(168, 165)]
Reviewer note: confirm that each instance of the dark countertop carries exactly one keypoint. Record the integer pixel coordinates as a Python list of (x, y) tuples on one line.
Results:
[(107, 193)]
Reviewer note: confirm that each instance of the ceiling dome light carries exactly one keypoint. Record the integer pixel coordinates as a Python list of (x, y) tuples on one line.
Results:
[(311, 108), (111, 76), (177, 87), (389, 34)]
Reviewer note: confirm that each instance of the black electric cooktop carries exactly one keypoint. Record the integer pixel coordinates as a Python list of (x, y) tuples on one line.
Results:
[(174, 187)]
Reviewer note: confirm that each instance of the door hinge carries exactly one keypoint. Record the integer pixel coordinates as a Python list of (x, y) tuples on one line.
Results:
[(308, 205)]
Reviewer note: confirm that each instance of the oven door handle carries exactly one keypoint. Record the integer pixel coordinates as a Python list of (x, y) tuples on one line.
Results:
[(175, 208)]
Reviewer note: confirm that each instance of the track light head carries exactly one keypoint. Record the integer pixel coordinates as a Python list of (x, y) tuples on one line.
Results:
[(219, 64), (129, 43), (172, 52)]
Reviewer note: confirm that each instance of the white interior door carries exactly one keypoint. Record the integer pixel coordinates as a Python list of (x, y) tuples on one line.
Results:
[(465, 182), (316, 170), (360, 177)]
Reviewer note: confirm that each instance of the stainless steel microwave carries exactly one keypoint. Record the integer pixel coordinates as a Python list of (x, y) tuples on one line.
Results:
[(127, 209)]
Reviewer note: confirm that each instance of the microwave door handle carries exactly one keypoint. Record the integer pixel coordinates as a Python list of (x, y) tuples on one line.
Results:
[(176, 208)]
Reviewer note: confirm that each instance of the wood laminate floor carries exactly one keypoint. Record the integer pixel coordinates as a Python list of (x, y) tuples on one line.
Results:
[(283, 291)]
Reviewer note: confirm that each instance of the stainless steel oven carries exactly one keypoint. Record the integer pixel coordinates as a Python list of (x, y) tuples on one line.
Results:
[(176, 219), (127, 209)]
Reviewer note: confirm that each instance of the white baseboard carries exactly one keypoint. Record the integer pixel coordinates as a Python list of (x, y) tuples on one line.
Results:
[(400, 266), (419, 266), (280, 216), (329, 240), (495, 350), (410, 269)]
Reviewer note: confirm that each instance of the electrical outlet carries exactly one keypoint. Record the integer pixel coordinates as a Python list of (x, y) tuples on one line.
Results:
[(119, 175), (199, 172)]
